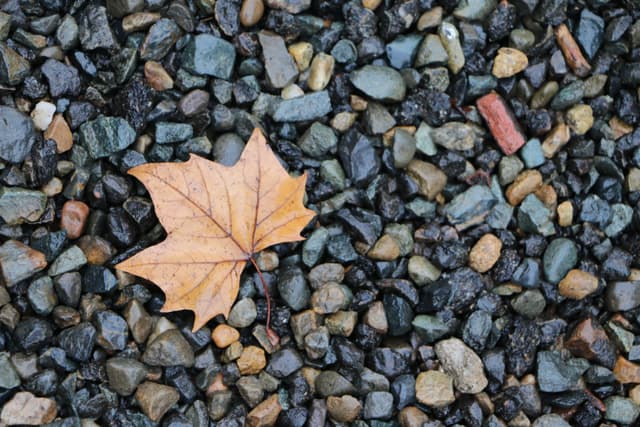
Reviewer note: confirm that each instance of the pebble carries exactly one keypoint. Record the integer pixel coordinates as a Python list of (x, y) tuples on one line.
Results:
[(125, 374), (321, 71), (502, 123), (378, 405), (106, 135), (302, 53), (462, 364), (330, 298), (555, 140), (431, 180), (280, 68), (19, 262), (210, 56), (559, 258), (302, 108), (251, 12), (60, 132), (168, 349), (454, 136), (41, 295), (380, 83), (623, 296), (509, 62), (621, 410), (525, 183), (224, 335), (318, 141), (485, 253), (385, 249), (70, 259), (26, 409), (344, 409), (565, 214), (578, 284), (155, 399), (580, 118), (17, 134), (42, 115), (435, 389), (265, 414), (74, 217), (557, 373), (589, 340), (451, 41), (251, 361), (242, 314), (571, 52), (157, 77)]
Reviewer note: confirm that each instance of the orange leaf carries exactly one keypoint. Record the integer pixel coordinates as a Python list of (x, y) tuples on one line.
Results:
[(216, 218)]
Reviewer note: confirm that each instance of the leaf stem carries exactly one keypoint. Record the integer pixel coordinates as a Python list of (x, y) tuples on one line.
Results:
[(271, 334)]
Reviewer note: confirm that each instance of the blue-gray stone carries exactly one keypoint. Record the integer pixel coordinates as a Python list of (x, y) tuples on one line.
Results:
[(292, 287), (307, 107), (344, 52), (560, 256), (209, 55), (558, 373), (402, 51), (535, 217), (621, 410), (621, 216), (167, 132), (471, 206), (590, 32), (531, 153), (106, 135), (17, 134), (160, 39), (500, 216), (379, 82)]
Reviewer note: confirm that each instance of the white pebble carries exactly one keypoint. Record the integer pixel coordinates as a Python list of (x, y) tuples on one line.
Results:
[(42, 115)]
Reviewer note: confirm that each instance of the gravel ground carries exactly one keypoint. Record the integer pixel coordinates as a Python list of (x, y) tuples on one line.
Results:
[(475, 167)]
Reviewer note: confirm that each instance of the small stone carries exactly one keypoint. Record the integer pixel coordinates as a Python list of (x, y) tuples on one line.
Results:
[(291, 6), (380, 83), (156, 399), (555, 140), (26, 409), (509, 62), (454, 136), (623, 296), (106, 135), (125, 374), (462, 364), (431, 180), (251, 361), (565, 214), (70, 260), (330, 298), (343, 409), (451, 40), (580, 119), (470, 207), (550, 420), (589, 340), (502, 123), (303, 108), (242, 314), (251, 12), (376, 318), (378, 405), (160, 38), (302, 53), (435, 389), (224, 335), (139, 21), (422, 271), (557, 373), (74, 217), (571, 51), (41, 295), (13, 67), (291, 91), (265, 414), (168, 349), (621, 410), (42, 115), (63, 79), (485, 253), (385, 249), (280, 68), (19, 262), (157, 76), (321, 71), (578, 284), (209, 55), (60, 132), (167, 132), (17, 134), (560, 256), (526, 183), (430, 19), (318, 141), (8, 376)]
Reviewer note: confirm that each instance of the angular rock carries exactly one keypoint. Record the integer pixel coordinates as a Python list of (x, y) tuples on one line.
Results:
[(17, 134), (209, 55), (380, 83), (501, 122), (463, 364), (106, 135)]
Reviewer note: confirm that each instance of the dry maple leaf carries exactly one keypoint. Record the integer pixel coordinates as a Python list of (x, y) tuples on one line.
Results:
[(216, 217)]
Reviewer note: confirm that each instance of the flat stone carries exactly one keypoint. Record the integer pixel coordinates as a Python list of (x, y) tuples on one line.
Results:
[(557, 373), (430, 179), (435, 389), (560, 256), (454, 136), (13, 67), (623, 296), (17, 134), (303, 108), (265, 414), (106, 135), (578, 284), (168, 349), (509, 62), (280, 68), (125, 374)]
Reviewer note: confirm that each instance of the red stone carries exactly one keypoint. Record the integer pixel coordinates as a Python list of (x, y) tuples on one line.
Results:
[(502, 123), (74, 218)]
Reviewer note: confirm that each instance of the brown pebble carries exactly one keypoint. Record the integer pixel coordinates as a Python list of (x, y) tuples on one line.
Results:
[(626, 372), (565, 214), (96, 249), (59, 131), (548, 196), (578, 284), (251, 361), (509, 62), (526, 183), (344, 409), (157, 76), (571, 52), (589, 340), (251, 12), (411, 416), (74, 217), (27, 409), (223, 335), (385, 249), (485, 253), (139, 21), (555, 140), (265, 414)]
